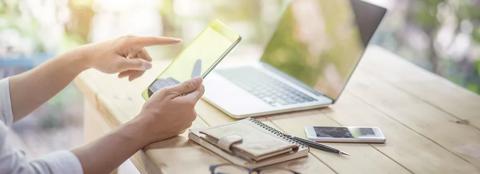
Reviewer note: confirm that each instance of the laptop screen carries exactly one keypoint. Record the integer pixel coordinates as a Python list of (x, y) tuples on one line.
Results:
[(318, 43)]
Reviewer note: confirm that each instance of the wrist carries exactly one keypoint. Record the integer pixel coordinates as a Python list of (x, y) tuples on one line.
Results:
[(77, 58), (136, 131), (83, 56)]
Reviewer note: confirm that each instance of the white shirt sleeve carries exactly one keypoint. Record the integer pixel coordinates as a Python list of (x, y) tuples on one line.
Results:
[(6, 114), (13, 160)]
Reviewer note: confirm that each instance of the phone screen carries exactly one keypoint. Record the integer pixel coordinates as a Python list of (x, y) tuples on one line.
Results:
[(343, 132), (199, 58)]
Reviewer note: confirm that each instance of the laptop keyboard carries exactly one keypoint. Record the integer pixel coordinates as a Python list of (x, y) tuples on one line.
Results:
[(264, 87)]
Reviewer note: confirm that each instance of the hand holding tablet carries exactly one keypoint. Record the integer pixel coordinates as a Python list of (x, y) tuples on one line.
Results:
[(198, 59)]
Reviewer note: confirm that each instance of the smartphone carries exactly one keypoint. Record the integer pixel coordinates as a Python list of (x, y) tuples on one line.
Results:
[(198, 58), (345, 134)]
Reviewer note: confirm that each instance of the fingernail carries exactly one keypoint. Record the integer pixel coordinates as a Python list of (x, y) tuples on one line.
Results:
[(197, 79), (147, 65), (174, 39)]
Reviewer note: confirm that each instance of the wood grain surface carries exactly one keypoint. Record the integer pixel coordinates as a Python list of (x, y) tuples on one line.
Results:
[(431, 124)]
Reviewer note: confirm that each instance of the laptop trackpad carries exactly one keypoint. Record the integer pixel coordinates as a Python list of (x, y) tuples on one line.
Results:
[(230, 98)]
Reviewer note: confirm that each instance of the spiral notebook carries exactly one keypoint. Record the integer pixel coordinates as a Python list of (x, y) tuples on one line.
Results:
[(249, 143)]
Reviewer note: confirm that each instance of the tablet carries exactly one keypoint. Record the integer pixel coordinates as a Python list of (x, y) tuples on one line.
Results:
[(198, 58)]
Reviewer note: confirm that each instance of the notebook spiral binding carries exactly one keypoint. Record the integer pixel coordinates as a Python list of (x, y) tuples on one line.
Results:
[(277, 132)]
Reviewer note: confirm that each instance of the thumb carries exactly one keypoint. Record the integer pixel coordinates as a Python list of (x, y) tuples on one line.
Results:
[(185, 87), (134, 64), (192, 97)]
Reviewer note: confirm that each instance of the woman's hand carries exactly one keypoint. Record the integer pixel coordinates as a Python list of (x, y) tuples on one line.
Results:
[(167, 113), (125, 55), (170, 111)]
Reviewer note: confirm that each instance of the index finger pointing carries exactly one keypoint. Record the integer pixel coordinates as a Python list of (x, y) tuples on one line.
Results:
[(149, 41)]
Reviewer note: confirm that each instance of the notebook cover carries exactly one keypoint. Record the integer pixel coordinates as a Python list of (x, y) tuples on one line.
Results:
[(200, 138), (257, 143)]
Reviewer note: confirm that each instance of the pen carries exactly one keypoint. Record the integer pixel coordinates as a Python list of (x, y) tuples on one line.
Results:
[(319, 146)]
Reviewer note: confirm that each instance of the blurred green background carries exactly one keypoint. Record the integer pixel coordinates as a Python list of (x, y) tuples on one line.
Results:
[(442, 36)]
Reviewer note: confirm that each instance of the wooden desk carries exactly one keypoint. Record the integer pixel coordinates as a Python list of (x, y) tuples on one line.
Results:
[(431, 125)]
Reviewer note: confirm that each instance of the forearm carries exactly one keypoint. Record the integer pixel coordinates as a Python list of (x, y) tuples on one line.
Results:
[(30, 89), (108, 152), (124, 55)]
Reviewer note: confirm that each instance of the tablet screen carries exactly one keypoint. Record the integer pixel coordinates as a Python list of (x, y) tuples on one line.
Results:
[(199, 57)]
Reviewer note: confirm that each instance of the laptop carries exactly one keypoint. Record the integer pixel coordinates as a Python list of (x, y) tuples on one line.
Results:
[(306, 64)]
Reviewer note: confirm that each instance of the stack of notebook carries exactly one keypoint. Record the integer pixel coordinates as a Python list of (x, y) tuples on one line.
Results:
[(249, 143)]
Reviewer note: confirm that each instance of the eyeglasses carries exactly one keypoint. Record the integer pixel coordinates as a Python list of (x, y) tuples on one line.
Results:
[(236, 169)]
